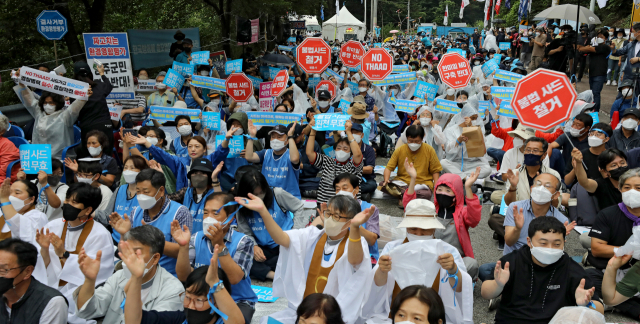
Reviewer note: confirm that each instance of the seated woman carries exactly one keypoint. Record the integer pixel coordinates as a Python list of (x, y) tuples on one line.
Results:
[(156, 137), (19, 199), (319, 308), (96, 140), (415, 304), (237, 124), (51, 191)]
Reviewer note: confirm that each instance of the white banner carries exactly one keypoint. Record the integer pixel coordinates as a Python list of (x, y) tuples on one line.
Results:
[(112, 50), (53, 83), (146, 85), (115, 110)]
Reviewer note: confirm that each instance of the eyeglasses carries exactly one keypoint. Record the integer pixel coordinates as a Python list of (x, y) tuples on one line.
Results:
[(597, 133), (84, 175), (533, 151), (547, 185), (197, 302), (335, 217), (4, 272)]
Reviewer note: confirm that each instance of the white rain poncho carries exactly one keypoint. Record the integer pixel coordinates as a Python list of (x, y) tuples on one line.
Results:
[(577, 315), (490, 42), (584, 101), (432, 135)]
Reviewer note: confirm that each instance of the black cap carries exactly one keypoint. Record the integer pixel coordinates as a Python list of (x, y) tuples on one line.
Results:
[(631, 111), (296, 132), (324, 94), (200, 164), (280, 129), (81, 66)]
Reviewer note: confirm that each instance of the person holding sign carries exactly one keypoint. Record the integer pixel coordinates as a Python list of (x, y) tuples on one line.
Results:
[(185, 55), (161, 97), (433, 134), (51, 191), (236, 125)]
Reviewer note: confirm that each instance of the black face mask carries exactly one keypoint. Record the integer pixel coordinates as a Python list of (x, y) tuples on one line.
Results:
[(444, 200), (7, 283), (617, 173), (187, 49), (70, 213), (53, 180), (198, 317)]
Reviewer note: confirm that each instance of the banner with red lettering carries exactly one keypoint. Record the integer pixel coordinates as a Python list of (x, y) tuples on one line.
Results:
[(53, 83)]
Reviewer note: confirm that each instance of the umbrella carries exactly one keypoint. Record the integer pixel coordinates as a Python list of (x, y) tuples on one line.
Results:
[(568, 12), (394, 31), (277, 59)]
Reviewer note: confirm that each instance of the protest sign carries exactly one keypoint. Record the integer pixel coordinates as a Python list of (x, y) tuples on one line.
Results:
[(351, 53), (53, 83), (265, 97), (173, 79), (52, 24), (265, 294), (255, 32), (425, 89), (329, 86), (344, 105), (331, 73), (35, 157), (447, 106), (239, 87), (524, 39), (112, 50), (313, 55), (354, 69), (354, 87), (502, 93), (377, 45), (285, 48), (462, 53), (169, 113), (504, 46), (330, 122), (186, 70), (489, 67), (200, 58), (497, 57), (377, 64), (508, 76), (219, 60), (408, 106), (146, 85), (279, 83), (211, 120), (454, 70), (208, 83), (264, 72), (256, 81), (273, 72), (233, 66), (596, 117), (396, 79), (271, 320), (150, 48), (236, 145), (313, 82), (400, 68), (273, 118), (506, 110), (483, 105), (115, 110)]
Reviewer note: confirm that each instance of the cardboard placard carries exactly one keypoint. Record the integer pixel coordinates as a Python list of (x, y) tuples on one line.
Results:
[(475, 145)]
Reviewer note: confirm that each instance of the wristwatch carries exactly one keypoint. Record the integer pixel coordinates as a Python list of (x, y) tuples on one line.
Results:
[(65, 255), (224, 252), (220, 286)]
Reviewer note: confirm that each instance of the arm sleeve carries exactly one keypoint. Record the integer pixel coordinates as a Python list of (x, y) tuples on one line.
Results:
[(498, 131), (550, 137), (56, 311), (438, 135), (508, 218), (474, 211), (630, 284), (162, 157), (373, 224), (107, 84), (289, 202), (393, 161), (102, 216)]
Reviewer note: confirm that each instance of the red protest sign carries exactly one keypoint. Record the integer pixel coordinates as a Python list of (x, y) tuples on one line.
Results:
[(279, 84), (351, 53), (239, 87), (377, 64), (313, 55), (543, 99), (454, 70), (327, 85)]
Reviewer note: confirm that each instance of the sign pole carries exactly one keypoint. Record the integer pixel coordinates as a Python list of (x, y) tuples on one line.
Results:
[(55, 51)]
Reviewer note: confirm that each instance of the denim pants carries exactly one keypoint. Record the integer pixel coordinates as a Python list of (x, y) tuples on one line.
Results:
[(596, 83), (485, 270), (613, 70), (495, 153)]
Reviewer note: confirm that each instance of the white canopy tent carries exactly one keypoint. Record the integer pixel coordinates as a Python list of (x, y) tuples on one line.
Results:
[(345, 23)]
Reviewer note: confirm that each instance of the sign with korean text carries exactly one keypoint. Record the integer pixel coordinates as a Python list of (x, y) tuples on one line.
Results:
[(146, 85), (399, 78), (329, 86), (279, 83), (255, 80), (236, 145), (504, 46), (425, 89), (454, 70), (354, 87), (186, 70), (115, 110), (239, 87), (211, 120), (328, 73), (200, 58), (489, 67), (313, 82), (502, 93), (35, 157), (208, 83), (447, 106), (330, 122), (351, 53), (497, 57), (233, 66), (505, 110), (377, 64), (273, 72), (407, 106), (543, 99), (462, 53), (52, 24), (54, 83), (173, 79), (265, 294), (285, 48), (112, 50), (344, 106), (273, 118), (400, 68), (313, 55), (265, 100), (507, 76), (255, 32), (483, 105), (170, 113)]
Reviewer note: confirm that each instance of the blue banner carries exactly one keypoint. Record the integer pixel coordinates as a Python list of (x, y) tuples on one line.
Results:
[(313, 82), (595, 116), (200, 58), (236, 145), (506, 110), (524, 39), (260, 118), (330, 122), (354, 69), (489, 67), (265, 294), (397, 79), (425, 89), (447, 106), (400, 68), (484, 105), (508, 76), (273, 72), (211, 120), (503, 93), (169, 113), (150, 48), (186, 70), (35, 157), (256, 81), (377, 45), (344, 105), (173, 79), (331, 73), (233, 66), (285, 48), (264, 72), (407, 106), (497, 57), (462, 53), (209, 83), (291, 39), (504, 46), (354, 87)]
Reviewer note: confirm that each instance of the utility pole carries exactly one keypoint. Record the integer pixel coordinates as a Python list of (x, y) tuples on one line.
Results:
[(493, 11), (408, 15), (592, 6), (365, 17), (374, 14)]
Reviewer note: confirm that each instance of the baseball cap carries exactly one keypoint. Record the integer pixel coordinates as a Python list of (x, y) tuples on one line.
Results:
[(357, 127), (280, 129), (297, 131), (324, 94), (523, 131), (631, 111), (420, 213), (200, 164)]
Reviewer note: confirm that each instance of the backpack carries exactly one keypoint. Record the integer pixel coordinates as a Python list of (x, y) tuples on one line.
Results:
[(386, 146)]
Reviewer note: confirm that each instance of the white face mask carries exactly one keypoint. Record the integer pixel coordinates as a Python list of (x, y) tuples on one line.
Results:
[(160, 86), (215, 103), (627, 92), (184, 130), (238, 131), (540, 195), (362, 89), (152, 140), (345, 193), (204, 73), (147, 202), (599, 40), (49, 109), (143, 77), (629, 124), (414, 146), (127, 272), (17, 203), (342, 156), (476, 63), (335, 69), (209, 221), (545, 255), (95, 151), (357, 137), (517, 142), (575, 132), (85, 180), (450, 92), (620, 37), (413, 238), (595, 141), (424, 121), (277, 145), (631, 198), (129, 176), (342, 75), (323, 104), (537, 34)]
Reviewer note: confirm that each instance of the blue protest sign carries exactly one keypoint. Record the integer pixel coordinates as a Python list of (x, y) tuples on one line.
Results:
[(330, 122), (211, 120), (270, 320), (396, 79), (265, 294), (330, 152), (52, 24), (489, 67), (524, 39), (483, 105), (504, 46), (273, 72), (233, 66), (503, 93), (35, 157), (169, 113), (173, 79), (407, 106), (236, 144), (344, 105), (285, 48), (263, 118), (354, 69), (186, 70), (256, 81), (354, 87), (595, 116), (400, 68), (264, 72), (291, 39), (208, 83), (112, 50), (506, 110), (447, 106), (425, 89), (377, 45), (503, 207), (200, 58), (462, 53), (331, 73), (313, 82), (497, 57), (508, 76)]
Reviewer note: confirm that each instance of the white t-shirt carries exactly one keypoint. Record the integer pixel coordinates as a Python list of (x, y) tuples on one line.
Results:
[(513, 157), (106, 196), (60, 191)]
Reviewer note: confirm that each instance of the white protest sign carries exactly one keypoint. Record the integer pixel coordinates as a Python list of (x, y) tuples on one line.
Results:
[(146, 85), (115, 110), (112, 50), (53, 83)]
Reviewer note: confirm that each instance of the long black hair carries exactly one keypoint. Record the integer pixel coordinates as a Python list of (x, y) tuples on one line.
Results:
[(247, 183), (426, 296), (58, 100), (321, 305)]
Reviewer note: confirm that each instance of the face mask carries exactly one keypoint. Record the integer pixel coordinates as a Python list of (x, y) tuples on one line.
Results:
[(147, 202), (413, 238), (532, 159), (198, 317), (540, 195), (629, 124), (599, 40), (152, 140), (627, 92), (49, 109), (631, 198), (362, 89), (537, 34), (546, 256), (342, 75), (335, 69), (617, 173), (595, 141), (199, 181), (476, 63), (143, 77), (17, 203), (70, 213), (517, 142), (238, 131), (444, 200), (450, 92), (414, 146), (95, 151), (342, 156), (209, 221), (85, 180), (424, 121), (357, 137), (160, 86), (394, 92), (215, 103), (53, 180), (127, 272), (575, 132), (129, 176), (6, 284), (184, 130), (277, 145), (333, 228), (323, 104), (344, 193)]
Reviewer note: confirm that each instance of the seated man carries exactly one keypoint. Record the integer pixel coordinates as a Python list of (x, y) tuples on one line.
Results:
[(156, 209), (613, 164), (578, 135), (599, 136), (315, 261), (89, 171), (539, 279), (162, 291), (627, 136)]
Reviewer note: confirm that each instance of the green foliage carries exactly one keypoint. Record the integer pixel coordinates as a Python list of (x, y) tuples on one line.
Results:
[(510, 16)]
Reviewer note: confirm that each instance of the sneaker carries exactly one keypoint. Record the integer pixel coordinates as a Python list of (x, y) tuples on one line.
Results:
[(614, 83), (584, 259), (493, 304), (501, 245), (608, 82), (495, 236), (497, 178)]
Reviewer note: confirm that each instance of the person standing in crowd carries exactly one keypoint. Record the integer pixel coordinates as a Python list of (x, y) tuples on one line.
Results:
[(176, 47), (539, 43), (630, 51), (185, 56), (598, 54), (627, 136), (613, 70), (625, 99), (161, 97)]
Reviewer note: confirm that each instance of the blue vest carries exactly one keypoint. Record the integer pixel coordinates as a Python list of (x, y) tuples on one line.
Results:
[(280, 173), (284, 220), (240, 291), (162, 222), (179, 149), (373, 249), (124, 205), (196, 209), (231, 165)]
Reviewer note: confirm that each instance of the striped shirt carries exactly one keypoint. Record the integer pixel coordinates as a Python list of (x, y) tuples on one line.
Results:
[(138, 101), (330, 169)]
